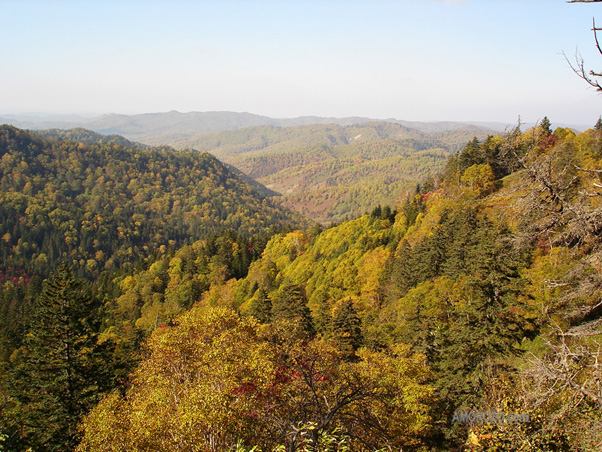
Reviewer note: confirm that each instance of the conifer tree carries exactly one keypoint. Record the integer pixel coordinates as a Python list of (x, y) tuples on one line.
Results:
[(261, 306), (546, 126), (598, 125), (290, 303), (59, 374), (346, 331)]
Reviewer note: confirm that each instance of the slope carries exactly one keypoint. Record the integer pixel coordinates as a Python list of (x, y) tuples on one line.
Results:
[(100, 206), (330, 172), (488, 282)]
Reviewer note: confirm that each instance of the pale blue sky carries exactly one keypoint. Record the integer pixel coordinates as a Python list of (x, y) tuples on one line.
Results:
[(487, 60)]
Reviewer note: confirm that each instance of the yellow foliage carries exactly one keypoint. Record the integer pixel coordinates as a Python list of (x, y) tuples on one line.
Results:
[(479, 178), (196, 391), (370, 268)]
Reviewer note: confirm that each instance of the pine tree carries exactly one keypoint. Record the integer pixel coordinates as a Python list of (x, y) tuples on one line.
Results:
[(261, 306), (345, 328), (290, 303), (60, 373), (546, 126), (598, 125)]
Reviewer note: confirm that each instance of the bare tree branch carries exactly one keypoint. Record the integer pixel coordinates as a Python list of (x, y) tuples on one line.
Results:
[(579, 68), (595, 30), (595, 171)]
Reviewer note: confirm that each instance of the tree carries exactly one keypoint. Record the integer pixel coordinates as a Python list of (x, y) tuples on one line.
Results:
[(215, 380), (545, 126), (202, 387), (261, 306), (561, 217), (345, 326), (578, 66), (59, 372), (480, 178), (381, 400), (598, 125), (290, 303)]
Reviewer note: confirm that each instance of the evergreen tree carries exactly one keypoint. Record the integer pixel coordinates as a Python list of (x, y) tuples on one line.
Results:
[(59, 373), (470, 155), (377, 212), (346, 331), (290, 303), (598, 125), (261, 306), (546, 126)]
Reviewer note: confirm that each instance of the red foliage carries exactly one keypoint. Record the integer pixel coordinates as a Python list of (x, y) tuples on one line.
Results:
[(548, 142), (245, 389), (15, 276), (282, 375)]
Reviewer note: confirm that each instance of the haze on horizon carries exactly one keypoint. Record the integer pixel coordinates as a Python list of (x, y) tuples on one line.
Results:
[(418, 60)]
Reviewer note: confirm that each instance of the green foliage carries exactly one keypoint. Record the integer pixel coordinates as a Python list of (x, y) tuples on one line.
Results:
[(261, 306), (61, 370), (103, 208), (545, 126), (214, 381), (479, 291), (290, 304), (172, 283), (85, 136), (345, 328), (330, 172), (493, 152), (100, 206)]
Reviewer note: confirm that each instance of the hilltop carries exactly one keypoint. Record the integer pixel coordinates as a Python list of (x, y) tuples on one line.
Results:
[(104, 202), (329, 172), (164, 128)]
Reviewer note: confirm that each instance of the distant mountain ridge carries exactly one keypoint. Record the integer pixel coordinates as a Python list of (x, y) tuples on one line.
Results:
[(326, 168), (173, 125), (165, 127)]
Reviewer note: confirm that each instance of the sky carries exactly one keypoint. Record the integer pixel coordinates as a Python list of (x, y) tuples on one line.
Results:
[(417, 60)]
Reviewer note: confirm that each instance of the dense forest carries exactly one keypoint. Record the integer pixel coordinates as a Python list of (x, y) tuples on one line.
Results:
[(330, 172), (466, 316), (102, 206)]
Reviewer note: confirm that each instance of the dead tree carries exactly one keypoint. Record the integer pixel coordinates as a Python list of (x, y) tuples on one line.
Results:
[(578, 66)]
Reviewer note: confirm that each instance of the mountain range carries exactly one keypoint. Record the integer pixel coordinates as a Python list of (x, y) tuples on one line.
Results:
[(161, 128)]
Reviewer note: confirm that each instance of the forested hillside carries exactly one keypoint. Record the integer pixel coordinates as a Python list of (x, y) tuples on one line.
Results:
[(272, 139), (331, 172), (102, 208), (326, 170), (100, 205), (479, 294), (89, 137)]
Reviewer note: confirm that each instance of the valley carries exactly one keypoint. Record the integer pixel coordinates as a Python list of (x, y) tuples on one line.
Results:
[(182, 276)]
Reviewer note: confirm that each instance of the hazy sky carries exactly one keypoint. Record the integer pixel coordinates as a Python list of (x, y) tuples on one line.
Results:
[(487, 60)]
